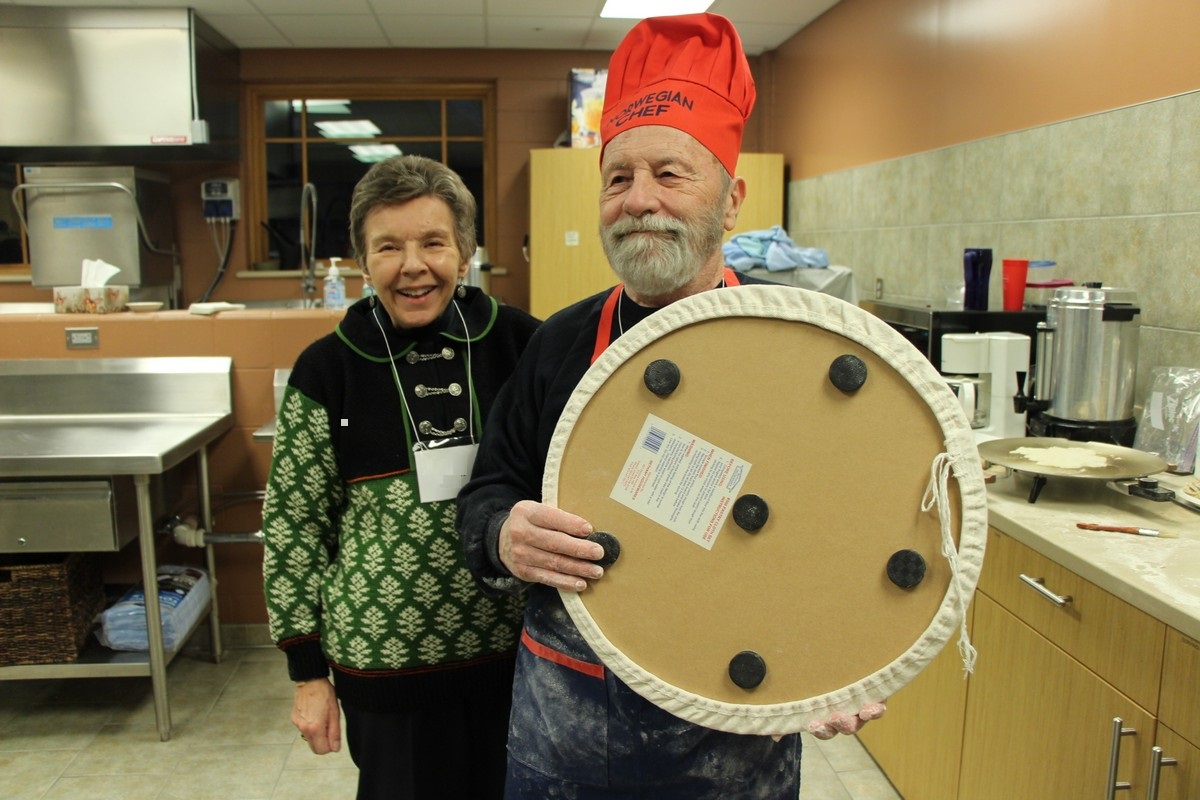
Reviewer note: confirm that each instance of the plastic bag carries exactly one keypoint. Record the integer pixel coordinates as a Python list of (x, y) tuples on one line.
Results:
[(1171, 418), (183, 595)]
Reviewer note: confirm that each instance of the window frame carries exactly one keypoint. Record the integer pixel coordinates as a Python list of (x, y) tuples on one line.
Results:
[(255, 140)]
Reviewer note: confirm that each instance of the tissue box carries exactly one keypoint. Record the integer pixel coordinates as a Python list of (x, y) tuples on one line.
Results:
[(587, 106), (90, 299)]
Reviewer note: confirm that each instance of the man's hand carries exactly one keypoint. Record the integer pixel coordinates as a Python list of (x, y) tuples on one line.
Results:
[(543, 544), (841, 722), (315, 712)]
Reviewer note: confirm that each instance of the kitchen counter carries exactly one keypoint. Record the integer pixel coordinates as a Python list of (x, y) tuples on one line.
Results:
[(1160, 576), (133, 445)]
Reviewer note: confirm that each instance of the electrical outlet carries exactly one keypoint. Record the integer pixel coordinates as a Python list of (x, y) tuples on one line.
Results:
[(83, 338), (879, 288)]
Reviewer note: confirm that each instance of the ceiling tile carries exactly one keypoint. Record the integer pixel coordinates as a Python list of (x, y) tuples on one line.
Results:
[(516, 24), (586, 9), (537, 32), (340, 8), (311, 30), (238, 28), (205, 8), (457, 8), (416, 30)]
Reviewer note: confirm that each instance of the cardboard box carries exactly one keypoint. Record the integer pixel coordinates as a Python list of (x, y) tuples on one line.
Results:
[(587, 104)]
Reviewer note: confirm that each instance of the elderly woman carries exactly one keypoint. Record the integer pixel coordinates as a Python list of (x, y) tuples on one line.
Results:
[(366, 587)]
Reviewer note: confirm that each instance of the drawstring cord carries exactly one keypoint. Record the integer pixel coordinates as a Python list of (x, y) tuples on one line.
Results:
[(937, 493)]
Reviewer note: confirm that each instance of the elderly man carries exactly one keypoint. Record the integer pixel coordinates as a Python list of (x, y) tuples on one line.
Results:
[(678, 94)]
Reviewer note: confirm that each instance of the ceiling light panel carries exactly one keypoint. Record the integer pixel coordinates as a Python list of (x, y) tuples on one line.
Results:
[(348, 129)]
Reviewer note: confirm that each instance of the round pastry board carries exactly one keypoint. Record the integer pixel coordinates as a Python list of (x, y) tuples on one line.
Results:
[(843, 474), (1069, 458)]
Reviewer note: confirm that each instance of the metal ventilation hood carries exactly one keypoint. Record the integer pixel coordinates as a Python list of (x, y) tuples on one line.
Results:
[(154, 83)]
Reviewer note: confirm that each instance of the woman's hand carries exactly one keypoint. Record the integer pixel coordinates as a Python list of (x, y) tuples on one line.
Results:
[(315, 712)]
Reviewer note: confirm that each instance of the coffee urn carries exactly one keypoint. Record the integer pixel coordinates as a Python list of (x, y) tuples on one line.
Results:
[(1083, 383)]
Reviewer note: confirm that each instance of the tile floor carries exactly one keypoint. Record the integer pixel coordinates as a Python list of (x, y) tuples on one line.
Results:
[(232, 740)]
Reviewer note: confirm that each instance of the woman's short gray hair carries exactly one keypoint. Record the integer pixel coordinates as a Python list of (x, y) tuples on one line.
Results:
[(402, 178)]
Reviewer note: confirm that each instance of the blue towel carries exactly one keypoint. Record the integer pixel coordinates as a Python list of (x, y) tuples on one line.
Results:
[(773, 249)]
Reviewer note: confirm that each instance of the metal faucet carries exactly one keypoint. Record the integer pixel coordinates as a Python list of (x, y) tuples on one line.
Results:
[(308, 242)]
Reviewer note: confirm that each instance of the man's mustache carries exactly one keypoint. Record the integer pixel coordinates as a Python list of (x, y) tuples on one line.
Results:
[(627, 227)]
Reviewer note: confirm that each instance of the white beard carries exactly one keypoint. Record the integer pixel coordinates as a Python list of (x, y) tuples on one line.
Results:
[(661, 264)]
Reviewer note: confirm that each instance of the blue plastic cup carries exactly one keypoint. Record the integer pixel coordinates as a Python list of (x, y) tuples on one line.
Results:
[(977, 272)]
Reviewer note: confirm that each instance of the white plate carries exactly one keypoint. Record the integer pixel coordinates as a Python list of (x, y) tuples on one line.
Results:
[(144, 306), (208, 309)]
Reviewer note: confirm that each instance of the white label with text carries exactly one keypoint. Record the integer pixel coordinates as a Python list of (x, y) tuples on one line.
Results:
[(680, 481)]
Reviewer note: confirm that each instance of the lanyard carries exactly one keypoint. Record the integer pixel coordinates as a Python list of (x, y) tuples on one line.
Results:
[(604, 329), (443, 466)]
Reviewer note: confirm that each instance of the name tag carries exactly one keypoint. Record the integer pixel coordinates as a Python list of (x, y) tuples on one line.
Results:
[(444, 468)]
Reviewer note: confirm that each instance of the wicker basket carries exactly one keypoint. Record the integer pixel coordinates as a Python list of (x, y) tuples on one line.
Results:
[(48, 606)]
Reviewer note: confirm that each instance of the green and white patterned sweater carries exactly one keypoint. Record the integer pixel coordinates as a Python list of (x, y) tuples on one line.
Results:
[(359, 575)]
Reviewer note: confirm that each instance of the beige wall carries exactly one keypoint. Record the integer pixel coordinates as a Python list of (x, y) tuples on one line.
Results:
[(875, 79), (1064, 131), (1112, 197)]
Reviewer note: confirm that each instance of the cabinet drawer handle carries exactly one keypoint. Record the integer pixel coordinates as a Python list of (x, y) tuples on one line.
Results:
[(1038, 585), (1114, 755), (1157, 762)]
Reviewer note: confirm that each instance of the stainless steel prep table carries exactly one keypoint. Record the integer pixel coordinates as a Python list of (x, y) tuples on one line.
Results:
[(139, 418)]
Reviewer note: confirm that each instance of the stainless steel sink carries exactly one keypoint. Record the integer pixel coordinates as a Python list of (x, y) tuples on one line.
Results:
[(294, 303)]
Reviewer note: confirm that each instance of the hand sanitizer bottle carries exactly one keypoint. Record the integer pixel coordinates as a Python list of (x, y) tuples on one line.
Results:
[(334, 286)]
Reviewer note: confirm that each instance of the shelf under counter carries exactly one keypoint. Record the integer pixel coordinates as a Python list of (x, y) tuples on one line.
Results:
[(98, 661)]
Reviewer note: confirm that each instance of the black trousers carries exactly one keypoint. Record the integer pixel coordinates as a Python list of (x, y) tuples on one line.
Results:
[(449, 753)]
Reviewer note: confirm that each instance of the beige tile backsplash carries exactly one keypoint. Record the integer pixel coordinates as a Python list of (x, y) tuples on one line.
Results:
[(1113, 197)]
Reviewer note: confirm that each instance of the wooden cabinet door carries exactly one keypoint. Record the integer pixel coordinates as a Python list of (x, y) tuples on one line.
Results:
[(1179, 718), (918, 743), (763, 206), (1118, 642), (1179, 706), (1039, 724), (1181, 780), (566, 259)]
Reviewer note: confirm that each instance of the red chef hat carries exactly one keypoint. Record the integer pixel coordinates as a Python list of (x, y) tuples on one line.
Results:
[(687, 72)]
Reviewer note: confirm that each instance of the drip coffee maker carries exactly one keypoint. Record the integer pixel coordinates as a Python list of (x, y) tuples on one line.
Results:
[(986, 371)]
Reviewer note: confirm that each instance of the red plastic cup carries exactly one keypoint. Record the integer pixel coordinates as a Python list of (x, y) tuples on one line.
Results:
[(1016, 272)]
